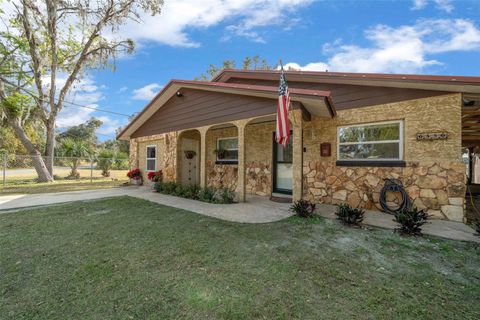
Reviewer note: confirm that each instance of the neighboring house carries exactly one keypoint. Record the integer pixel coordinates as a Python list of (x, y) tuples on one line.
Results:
[(350, 132)]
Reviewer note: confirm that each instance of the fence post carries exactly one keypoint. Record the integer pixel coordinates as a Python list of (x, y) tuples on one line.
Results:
[(91, 170), (4, 168)]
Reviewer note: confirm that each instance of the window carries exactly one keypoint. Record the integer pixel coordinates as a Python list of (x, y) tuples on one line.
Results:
[(374, 141), (227, 150), (151, 158)]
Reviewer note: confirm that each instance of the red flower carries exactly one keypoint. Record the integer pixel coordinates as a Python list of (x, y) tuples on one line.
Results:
[(134, 174), (155, 176)]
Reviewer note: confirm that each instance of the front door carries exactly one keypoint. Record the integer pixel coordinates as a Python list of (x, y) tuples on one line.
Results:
[(190, 173), (282, 167)]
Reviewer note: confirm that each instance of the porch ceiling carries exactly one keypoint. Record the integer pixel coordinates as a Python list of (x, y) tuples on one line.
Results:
[(317, 102)]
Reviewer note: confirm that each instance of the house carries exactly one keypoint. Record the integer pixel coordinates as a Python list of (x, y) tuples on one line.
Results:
[(350, 131)]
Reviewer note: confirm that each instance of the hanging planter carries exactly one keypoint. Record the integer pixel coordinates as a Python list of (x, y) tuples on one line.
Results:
[(190, 154), (221, 153)]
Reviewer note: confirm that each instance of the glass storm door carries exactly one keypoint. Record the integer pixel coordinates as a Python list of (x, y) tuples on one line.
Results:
[(282, 167)]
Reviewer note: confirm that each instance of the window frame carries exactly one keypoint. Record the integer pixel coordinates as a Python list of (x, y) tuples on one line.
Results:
[(400, 142), (226, 161), (147, 158)]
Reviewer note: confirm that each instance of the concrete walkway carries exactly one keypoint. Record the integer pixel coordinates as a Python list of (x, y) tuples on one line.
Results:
[(255, 210)]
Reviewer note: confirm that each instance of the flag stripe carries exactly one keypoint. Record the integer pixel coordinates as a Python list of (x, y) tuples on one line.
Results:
[(282, 134)]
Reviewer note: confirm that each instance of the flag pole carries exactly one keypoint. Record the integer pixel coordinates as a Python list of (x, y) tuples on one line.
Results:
[(290, 110)]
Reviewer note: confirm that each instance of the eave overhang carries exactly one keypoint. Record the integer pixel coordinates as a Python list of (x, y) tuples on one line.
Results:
[(318, 103)]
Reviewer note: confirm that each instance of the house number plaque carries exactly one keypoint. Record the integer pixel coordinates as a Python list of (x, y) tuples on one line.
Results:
[(432, 136)]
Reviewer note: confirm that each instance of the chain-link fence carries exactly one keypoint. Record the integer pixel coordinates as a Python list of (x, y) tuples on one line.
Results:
[(18, 170)]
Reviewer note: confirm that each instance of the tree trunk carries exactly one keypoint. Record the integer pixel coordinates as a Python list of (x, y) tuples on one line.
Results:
[(50, 146), (42, 172)]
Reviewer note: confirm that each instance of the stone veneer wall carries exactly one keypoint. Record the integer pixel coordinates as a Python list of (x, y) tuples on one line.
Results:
[(436, 186), (170, 155), (220, 175), (434, 174), (258, 139), (138, 150)]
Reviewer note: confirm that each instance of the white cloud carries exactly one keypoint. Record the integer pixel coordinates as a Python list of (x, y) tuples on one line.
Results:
[(109, 125), (147, 92), (405, 49), (314, 66), (86, 93), (444, 5), (122, 89), (242, 18), (419, 4)]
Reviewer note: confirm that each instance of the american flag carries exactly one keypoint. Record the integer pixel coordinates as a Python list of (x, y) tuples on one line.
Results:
[(282, 133)]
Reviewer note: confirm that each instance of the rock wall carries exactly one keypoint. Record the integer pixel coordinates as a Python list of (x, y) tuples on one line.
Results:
[(222, 175), (438, 187), (258, 178), (170, 156)]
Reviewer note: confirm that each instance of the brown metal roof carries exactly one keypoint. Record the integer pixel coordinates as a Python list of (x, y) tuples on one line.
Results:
[(371, 76)]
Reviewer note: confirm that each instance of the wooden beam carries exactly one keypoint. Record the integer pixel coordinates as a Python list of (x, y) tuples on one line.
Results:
[(306, 116)]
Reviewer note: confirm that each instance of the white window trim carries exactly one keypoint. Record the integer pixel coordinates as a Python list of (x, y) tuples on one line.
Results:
[(218, 147), (400, 141), (147, 158)]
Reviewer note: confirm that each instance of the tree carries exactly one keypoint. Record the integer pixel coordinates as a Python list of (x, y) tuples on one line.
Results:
[(84, 131), (248, 63), (118, 145), (74, 151), (48, 39), (110, 159)]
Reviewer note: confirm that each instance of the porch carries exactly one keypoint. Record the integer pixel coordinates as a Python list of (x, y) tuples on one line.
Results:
[(242, 155)]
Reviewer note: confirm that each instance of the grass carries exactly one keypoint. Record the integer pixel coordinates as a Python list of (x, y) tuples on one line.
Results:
[(60, 186), (124, 258), (20, 182)]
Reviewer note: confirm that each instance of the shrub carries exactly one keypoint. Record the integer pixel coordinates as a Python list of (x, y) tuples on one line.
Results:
[(226, 195), (207, 195), (477, 227), (121, 161), (303, 208), (191, 192), (169, 187), (106, 161), (411, 220), (349, 215), (158, 186)]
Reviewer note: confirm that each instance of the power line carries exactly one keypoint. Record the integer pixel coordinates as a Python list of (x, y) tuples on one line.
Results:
[(72, 104)]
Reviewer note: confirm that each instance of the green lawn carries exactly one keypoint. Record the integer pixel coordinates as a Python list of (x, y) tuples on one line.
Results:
[(60, 186), (124, 258)]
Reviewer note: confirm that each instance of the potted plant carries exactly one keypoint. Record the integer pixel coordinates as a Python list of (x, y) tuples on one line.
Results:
[(135, 177), (155, 176), (221, 153), (189, 154)]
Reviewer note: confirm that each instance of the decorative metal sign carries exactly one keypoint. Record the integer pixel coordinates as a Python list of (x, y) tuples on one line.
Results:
[(432, 136), (325, 149)]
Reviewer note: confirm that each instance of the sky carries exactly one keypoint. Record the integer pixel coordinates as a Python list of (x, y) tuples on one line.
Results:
[(438, 37)]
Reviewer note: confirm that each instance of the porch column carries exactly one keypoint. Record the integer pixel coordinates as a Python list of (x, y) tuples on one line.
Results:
[(203, 156), (241, 185), (297, 149)]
